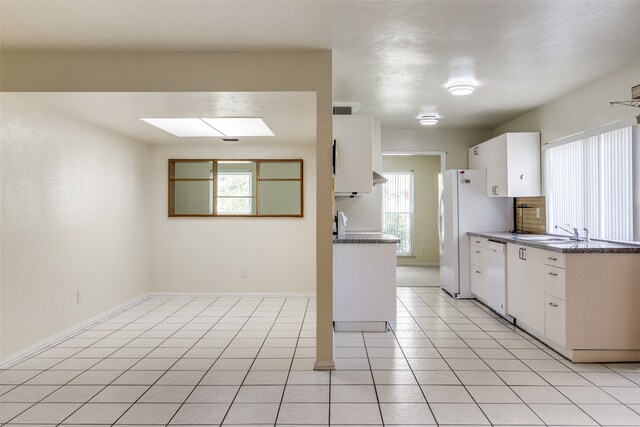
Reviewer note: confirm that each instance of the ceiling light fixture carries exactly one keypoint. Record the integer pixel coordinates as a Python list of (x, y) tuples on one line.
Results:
[(428, 120), (460, 89)]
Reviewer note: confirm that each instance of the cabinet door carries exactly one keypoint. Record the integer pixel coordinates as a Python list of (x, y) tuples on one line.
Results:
[(525, 287), (523, 164), (477, 160), (554, 320), (496, 160), (478, 282), (354, 145)]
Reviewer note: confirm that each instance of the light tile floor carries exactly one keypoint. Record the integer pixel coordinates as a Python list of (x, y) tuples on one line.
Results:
[(248, 361)]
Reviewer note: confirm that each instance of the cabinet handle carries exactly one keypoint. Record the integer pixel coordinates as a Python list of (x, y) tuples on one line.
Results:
[(552, 258), (553, 274), (553, 305), (524, 254), (477, 252), (477, 241), (478, 272), (475, 151)]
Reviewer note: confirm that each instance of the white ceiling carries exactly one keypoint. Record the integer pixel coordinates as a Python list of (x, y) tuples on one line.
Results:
[(290, 115), (394, 58)]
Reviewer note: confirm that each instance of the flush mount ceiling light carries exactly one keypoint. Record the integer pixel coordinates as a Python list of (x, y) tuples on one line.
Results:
[(460, 89), (428, 120), (183, 127), (215, 126), (239, 126)]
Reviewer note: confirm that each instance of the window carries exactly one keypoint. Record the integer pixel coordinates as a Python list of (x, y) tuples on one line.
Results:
[(589, 183), (397, 202), (219, 188)]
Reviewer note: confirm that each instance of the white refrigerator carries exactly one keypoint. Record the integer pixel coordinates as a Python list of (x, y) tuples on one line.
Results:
[(464, 206)]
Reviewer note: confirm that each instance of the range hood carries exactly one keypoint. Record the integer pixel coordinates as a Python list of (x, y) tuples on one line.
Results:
[(378, 179)]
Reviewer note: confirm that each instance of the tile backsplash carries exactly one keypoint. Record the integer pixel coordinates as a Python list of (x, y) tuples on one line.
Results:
[(531, 215)]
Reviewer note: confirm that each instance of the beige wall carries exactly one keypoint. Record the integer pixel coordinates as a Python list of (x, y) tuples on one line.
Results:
[(425, 205), (455, 142), (73, 218), (582, 110), (207, 254), (232, 71)]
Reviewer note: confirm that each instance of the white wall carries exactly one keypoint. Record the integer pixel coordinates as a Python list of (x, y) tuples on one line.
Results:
[(207, 254), (455, 142), (365, 212), (73, 217), (582, 110)]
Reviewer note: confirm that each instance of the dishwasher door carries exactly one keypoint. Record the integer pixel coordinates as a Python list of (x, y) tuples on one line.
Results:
[(496, 286)]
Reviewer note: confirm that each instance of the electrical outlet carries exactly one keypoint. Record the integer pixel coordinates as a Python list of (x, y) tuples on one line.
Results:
[(78, 296), (244, 272), (423, 250), (537, 212)]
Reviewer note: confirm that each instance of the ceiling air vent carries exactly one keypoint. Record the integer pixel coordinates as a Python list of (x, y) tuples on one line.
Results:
[(341, 111), (230, 139)]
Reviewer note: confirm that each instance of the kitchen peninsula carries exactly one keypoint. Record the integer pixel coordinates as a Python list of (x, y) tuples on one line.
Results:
[(364, 281), (580, 298)]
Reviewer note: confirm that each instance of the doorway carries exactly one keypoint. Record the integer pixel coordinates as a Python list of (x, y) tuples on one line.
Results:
[(410, 212)]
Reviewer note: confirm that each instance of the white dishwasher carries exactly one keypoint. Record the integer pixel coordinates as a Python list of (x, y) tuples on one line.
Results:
[(489, 273)]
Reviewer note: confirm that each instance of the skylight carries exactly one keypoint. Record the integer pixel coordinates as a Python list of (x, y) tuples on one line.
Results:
[(240, 126), (214, 126), (183, 127)]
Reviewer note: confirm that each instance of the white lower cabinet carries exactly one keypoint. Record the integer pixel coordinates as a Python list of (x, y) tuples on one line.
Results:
[(584, 305), (488, 273), (536, 290), (525, 288)]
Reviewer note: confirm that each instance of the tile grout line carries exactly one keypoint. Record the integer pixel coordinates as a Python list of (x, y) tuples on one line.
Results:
[(516, 358), (70, 357), (373, 379), (284, 389)]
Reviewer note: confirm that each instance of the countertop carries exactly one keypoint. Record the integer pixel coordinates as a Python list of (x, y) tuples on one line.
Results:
[(367, 238), (568, 246)]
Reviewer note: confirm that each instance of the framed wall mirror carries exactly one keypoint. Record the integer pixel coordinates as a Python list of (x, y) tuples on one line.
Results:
[(235, 188)]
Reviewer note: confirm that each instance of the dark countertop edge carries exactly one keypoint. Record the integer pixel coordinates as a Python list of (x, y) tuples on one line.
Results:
[(365, 238), (619, 249)]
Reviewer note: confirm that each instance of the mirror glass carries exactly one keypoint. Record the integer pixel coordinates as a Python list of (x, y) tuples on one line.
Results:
[(280, 198), (236, 188)]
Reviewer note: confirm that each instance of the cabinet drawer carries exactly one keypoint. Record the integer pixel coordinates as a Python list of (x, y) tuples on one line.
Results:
[(554, 258), (480, 242), (478, 256), (554, 319), (477, 281), (554, 281)]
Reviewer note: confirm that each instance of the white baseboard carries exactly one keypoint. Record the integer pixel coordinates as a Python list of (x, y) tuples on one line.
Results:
[(234, 294), (53, 340)]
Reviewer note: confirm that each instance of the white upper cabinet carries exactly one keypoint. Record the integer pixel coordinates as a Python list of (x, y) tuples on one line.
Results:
[(353, 136), (512, 162)]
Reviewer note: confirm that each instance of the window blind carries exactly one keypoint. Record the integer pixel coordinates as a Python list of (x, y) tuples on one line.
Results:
[(589, 183), (397, 209)]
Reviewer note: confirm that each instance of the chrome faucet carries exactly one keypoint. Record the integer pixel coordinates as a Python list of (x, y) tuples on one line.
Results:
[(586, 235), (575, 233)]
